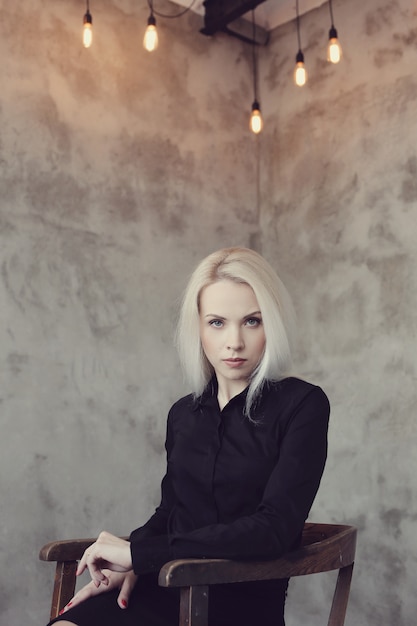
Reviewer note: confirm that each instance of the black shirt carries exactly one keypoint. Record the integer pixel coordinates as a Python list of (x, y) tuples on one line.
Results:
[(234, 488)]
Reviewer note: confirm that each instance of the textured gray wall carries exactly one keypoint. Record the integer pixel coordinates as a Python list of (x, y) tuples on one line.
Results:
[(339, 216), (118, 171)]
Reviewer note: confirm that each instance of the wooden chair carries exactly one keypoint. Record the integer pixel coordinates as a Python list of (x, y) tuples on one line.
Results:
[(324, 547)]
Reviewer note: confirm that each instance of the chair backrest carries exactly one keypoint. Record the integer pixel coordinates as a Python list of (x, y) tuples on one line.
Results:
[(324, 547)]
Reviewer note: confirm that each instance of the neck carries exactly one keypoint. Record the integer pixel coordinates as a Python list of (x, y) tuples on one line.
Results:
[(227, 391)]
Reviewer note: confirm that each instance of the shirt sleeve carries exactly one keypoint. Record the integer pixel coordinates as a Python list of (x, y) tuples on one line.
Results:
[(278, 521), (149, 544)]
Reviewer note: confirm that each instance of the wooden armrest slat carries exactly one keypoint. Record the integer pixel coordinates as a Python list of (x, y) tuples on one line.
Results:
[(67, 550)]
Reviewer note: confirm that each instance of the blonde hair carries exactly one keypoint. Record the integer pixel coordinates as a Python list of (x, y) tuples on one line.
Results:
[(240, 265)]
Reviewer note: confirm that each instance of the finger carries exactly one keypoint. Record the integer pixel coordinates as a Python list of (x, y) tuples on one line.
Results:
[(125, 590), (97, 575), (92, 561), (83, 561), (86, 592), (80, 568)]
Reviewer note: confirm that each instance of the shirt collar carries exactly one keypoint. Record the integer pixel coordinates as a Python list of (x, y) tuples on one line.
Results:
[(209, 395)]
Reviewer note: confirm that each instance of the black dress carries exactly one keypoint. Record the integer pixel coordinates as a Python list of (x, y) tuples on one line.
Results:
[(233, 489)]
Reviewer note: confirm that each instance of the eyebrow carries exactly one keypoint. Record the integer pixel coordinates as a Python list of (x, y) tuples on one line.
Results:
[(220, 317)]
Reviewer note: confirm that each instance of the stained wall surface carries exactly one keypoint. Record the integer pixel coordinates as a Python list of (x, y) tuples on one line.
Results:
[(339, 216), (119, 170)]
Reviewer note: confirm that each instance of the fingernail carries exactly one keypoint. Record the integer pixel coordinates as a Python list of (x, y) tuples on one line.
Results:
[(65, 607), (124, 603)]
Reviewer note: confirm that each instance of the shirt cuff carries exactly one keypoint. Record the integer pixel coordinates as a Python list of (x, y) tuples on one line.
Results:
[(150, 555)]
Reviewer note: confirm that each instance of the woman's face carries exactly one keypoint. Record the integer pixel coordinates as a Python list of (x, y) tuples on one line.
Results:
[(231, 331)]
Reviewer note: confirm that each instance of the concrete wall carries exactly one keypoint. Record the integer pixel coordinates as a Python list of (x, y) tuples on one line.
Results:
[(118, 171), (339, 216)]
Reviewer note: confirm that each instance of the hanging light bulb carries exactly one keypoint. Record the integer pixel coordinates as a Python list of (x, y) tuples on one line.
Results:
[(256, 123), (87, 28), (300, 72), (334, 49), (150, 40)]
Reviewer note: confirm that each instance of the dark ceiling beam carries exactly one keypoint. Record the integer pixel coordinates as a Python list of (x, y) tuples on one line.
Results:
[(220, 13)]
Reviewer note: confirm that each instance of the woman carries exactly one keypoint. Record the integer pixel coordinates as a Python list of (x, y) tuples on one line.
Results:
[(246, 452)]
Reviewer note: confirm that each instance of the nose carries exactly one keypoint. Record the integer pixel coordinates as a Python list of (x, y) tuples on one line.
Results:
[(235, 340)]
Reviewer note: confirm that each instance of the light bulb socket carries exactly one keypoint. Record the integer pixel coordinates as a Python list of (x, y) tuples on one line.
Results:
[(332, 33), (255, 106), (88, 19), (300, 57), (151, 20)]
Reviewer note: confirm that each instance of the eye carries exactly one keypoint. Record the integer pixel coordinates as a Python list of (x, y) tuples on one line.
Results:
[(253, 322), (216, 323)]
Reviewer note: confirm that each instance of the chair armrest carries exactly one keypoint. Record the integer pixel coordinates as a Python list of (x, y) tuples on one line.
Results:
[(187, 572), (313, 532), (67, 550)]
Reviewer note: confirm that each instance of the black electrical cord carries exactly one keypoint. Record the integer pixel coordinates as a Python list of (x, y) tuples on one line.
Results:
[(255, 73), (331, 12), (298, 25), (180, 14)]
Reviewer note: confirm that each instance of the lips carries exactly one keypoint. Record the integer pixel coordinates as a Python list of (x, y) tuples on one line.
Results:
[(234, 362)]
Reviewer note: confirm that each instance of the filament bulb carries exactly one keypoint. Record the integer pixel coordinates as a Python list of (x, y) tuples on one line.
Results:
[(87, 30), (256, 123), (150, 40), (334, 49), (300, 72)]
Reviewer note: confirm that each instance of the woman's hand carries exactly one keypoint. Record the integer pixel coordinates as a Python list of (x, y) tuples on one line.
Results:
[(107, 553), (116, 580)]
